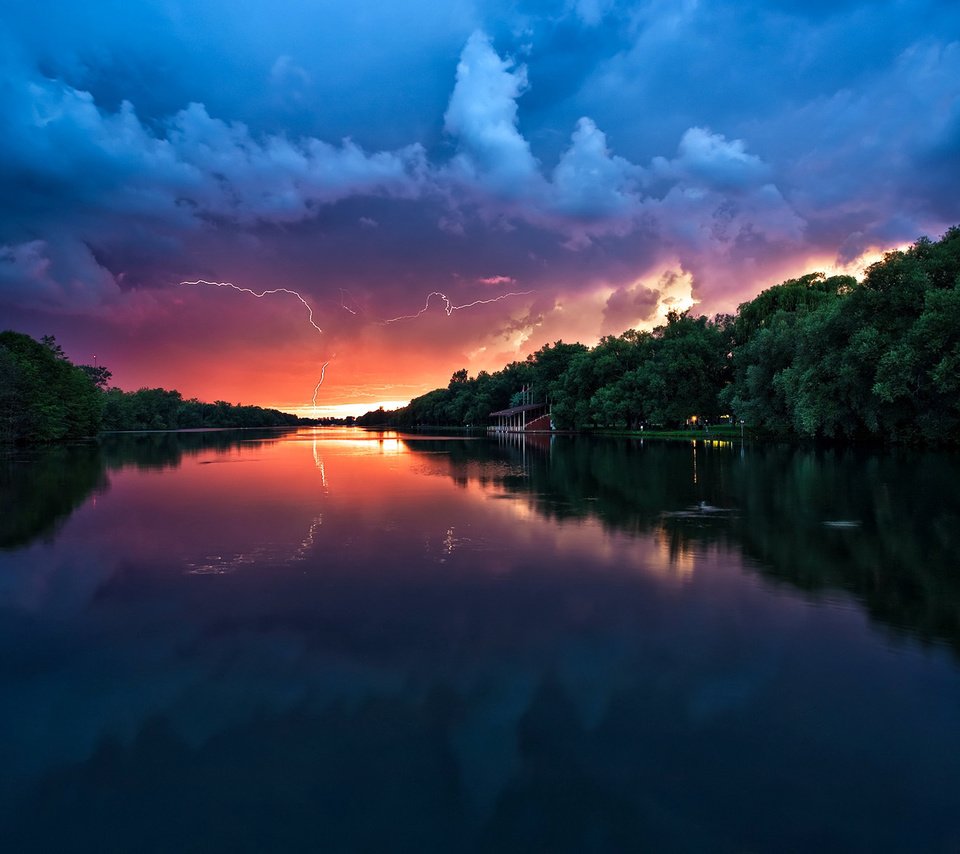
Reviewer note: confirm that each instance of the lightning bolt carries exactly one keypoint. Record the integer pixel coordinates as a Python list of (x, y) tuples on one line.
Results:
[(323, 370), (492, 299), (269, 292), (449, 307), (343, 301), (261, 295)]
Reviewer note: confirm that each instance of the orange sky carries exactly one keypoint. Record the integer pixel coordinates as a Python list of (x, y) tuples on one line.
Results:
[(216, 343)]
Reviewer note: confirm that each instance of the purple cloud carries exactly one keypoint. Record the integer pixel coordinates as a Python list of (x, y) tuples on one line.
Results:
[(589, 150)]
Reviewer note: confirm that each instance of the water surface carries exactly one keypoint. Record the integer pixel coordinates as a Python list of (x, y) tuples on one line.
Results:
[(332, 640)]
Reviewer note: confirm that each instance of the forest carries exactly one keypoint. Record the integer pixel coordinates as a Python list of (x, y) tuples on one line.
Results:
[(46, 398), (823, 357)]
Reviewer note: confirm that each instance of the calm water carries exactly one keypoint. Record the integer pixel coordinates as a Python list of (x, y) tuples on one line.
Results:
[(346, 641)]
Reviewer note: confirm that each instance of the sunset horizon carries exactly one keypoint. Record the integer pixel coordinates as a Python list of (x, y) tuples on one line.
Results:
[(339, 400), (455, 190)]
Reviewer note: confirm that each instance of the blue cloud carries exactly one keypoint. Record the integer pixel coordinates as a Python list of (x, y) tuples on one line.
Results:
[(634, 133)]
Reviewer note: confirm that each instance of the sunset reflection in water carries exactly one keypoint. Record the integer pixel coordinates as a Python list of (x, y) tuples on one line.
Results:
[(466, 644)]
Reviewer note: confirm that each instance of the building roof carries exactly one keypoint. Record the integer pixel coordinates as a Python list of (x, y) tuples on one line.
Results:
[(515, 410)]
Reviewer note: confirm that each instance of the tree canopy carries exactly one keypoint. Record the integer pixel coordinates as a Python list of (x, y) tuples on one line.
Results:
[(817, 356), (45, 398), (42, 396)]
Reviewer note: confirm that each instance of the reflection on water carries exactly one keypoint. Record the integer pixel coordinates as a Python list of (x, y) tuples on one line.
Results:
[(339, 641), (885, 528)]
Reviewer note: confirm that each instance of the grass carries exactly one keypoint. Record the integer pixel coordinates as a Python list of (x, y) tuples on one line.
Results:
[(727, 432)]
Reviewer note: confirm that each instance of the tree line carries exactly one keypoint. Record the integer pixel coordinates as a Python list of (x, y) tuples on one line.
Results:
[(46, 398), (818, 356)]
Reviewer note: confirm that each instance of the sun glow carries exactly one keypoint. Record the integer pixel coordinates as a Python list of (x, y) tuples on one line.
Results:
[(855, 267), (670, 288), (336, 410)]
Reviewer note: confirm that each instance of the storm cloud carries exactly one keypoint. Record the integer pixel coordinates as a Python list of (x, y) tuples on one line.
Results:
[(615, 159)]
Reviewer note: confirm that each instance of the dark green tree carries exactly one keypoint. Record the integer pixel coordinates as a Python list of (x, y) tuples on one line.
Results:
[(45, 398)]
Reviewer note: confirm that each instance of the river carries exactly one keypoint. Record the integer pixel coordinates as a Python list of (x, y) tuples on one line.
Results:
[(339, 640)]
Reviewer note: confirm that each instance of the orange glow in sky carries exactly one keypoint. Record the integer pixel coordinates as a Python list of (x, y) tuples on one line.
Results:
[(216, 344)]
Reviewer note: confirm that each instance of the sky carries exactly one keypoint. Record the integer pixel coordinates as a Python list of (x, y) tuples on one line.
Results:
[(434, 186)]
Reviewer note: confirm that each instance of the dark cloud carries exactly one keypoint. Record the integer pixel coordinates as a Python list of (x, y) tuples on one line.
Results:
[(585, 149), (76, 175), (628, 307)]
